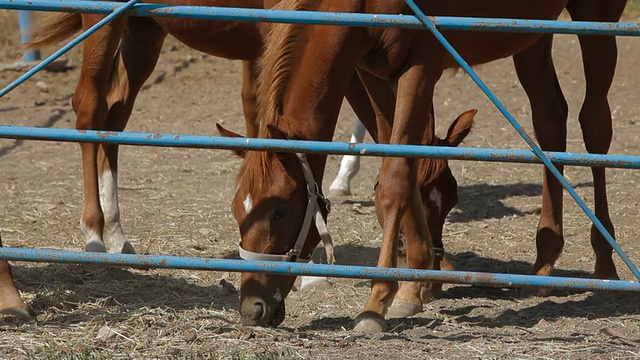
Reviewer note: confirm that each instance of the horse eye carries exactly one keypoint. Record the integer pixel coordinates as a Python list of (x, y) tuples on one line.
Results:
[(280, 212)]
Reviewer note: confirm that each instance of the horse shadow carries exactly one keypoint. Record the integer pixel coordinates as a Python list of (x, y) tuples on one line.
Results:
[(85, 292), (59, 115), (484, 201), (560, 305), (351, 254)]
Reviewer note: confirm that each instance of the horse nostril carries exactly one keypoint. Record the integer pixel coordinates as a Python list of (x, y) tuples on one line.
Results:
[(259, 307)]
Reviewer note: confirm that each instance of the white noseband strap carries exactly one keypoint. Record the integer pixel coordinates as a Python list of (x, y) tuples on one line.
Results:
[(313, 213)]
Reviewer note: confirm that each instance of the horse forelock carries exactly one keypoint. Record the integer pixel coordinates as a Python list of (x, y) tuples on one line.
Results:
[(430, 169), (275, 71)]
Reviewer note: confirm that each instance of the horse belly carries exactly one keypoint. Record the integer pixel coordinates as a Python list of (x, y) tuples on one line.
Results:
[(481, 48), (227, 39), (389, 47)]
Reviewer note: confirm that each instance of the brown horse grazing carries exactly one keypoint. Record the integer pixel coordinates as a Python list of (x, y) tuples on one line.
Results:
[(439, 192), (305, 75), (117, 60)]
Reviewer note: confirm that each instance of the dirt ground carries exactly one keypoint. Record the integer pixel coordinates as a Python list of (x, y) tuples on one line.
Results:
[(176, 202)]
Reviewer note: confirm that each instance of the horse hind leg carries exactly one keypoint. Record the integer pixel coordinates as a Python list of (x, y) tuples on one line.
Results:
[(349, 166), (595, 121), (366, 112), (139, 52), (90, 105), (599, 56), (535, 70)]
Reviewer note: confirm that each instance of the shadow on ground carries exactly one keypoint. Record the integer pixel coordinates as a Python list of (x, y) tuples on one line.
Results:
[(79, 293)]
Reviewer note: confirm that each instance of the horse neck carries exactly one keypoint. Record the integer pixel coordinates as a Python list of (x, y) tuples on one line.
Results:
[(301, 92)]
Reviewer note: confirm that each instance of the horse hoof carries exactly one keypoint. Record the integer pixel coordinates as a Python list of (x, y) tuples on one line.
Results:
[(22, 312), (127, 248), (370, 324), (402, 309), (339, 192), (313, 283), (95, 246)]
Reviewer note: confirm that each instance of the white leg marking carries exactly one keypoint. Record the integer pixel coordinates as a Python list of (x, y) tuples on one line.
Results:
[(349, 166), (317, 282), (436, 197), (94, 242), (113, 233), (248, 204)]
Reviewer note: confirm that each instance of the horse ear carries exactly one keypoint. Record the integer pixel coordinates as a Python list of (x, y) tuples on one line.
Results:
[(460, 128), (229, 133)]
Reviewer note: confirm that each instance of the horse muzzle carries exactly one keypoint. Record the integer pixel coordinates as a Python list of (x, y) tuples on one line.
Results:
[(255, 311)]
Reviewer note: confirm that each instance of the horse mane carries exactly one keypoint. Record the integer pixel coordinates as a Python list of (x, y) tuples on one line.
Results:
[(275, 72), (429, 169)]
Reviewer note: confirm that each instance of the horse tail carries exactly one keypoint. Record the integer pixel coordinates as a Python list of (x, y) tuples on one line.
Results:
[(57, 29)]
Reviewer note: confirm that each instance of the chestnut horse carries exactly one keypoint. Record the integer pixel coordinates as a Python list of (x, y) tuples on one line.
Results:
[(117, 60), (305, 76)]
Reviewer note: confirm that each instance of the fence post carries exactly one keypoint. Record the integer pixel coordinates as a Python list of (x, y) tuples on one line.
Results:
[(24, 20)]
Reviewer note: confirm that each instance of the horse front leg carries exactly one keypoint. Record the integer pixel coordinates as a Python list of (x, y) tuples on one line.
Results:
[(399, 194)]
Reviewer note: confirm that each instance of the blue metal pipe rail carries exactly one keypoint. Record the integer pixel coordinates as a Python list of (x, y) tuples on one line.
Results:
[(419, 21), (25, 22), (290, 268), (315, 147), (312, 17)]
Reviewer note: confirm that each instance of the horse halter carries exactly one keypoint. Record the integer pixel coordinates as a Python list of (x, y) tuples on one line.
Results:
[(313, 213)]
